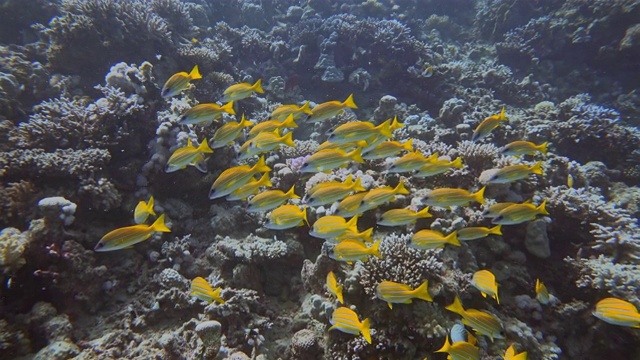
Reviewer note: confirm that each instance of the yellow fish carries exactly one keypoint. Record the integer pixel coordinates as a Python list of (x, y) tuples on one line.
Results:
[(617, 312), (437, 167), (485, 281), (346, 320), (513, 173), (287, 217), (201, 289), (250, 188), (330, 194), (398, 293), (266, 141), (510, 354), (447, 197), (143, 210), (228, 132), (283, 111), (493, 210), (520, 213), (431, 239), (206, 113), (428, 71), (334, 288), (352, 205), (461, 350), (128, 236), (329, 159), (329, 109), (473, 233), (331, 226), (189, 155), (358, 131), (179, 82), (520, 147), (364, 236), (350, 250), (481, 322), (411, 161), (542, 294), (270, 199), (488, 124), (242, 91), (347, 147), (381, 195), (387, 149), (271, 125), (348, 181), (398, 217), (233, 178)]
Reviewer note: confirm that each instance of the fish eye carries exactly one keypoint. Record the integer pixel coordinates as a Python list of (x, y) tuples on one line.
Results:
[(498, 218), (305, 164), (100, 245)]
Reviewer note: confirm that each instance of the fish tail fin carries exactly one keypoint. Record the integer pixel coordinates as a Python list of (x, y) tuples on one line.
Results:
[(479, 195), (289, 122), (287, 139), (401, 189), (523, 355), (357, 185), (150, 206), (542, 208), (228, 108), (339, 295), (365, 329), (349, 180), (446, 347), (408, 145), (422, 292), (496, 296), (265, 180), (352, 224), (204, 147), (350, 103), (159, 225), (217, 296), (375, 249), (536, 168), (496, 230), (433, 157), (457, 163), (257, 87), (395, 124), (453, 239), (384, 129), (305, 108), (503, 114), (261, 166), (291, 193), (543, 147), (244, 122), (366, 235), (424, 213), (356, 155), (304, 215), (195, 73), (456, 306)]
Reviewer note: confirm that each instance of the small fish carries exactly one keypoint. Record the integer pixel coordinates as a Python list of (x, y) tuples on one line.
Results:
[(431, 239), (329, 109), (228, 132), (473, 233), (510, 354), (201, 289), (542, 294), (143, 210), (351, 250), (447, 197), (334, 288), (487, 125), (283, 111), (329, 159), (493, 210), (485, 281), (399, 217), (411, 161), (126, 237), (398, 293), (332, 226), (481, 322), (205, 114), (364, 236), (381, 195), (250, 188), (179, 82), (189, 155), (352, 205), (271, 199), (348, 181), (242, 91), (570, 181), (266, 141), (617, 312), (330, 194), (520, 147), (520, 213), (428, 71), (233, 178), (358, 131), (346, 320), (287, 217), (271, 125), (387, 149), (461, 350), (438, 167), (511, 173), (346, 147)]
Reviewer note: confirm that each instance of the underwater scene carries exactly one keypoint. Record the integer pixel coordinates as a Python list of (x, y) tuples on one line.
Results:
[(349, 180)]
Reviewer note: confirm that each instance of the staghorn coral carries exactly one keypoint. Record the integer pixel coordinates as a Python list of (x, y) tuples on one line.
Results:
[(18, 201)]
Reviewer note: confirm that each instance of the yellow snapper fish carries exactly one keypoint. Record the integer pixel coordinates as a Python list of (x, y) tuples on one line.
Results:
[(438, 167), (350, 250), (228, 132), (329, 159), (126, 237), (411, 161), (481, 322), (233, 178), (348, 181), (378, 138), (473, 233), (143, 210), (189, 155), (399, 217), (487, 125), (329, 109), (206, 113), (520, 213), (520, 147), (617, 312), (270, 199), (347, 147), (266, 141), (510, 354), (460, 350), (485, 282), (393, 292), (352, 205), (271, 125), (284, 111), (513, 173), (242, 91), (493, 210), (331, 226), (179, 82), (448, 197), (250, 188), (330, 194), (431, 239), (333, 287), (358, 131), (387, 149), (542, 294), (381, 195), (346, 320), (201, 289), (364, 236), (287, 217)]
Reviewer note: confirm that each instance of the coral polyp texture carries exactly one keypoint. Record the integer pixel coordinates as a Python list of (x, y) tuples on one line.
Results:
[(319, 179)]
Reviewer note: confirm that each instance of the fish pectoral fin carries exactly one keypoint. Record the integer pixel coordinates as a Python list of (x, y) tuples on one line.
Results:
[(390, 305)]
